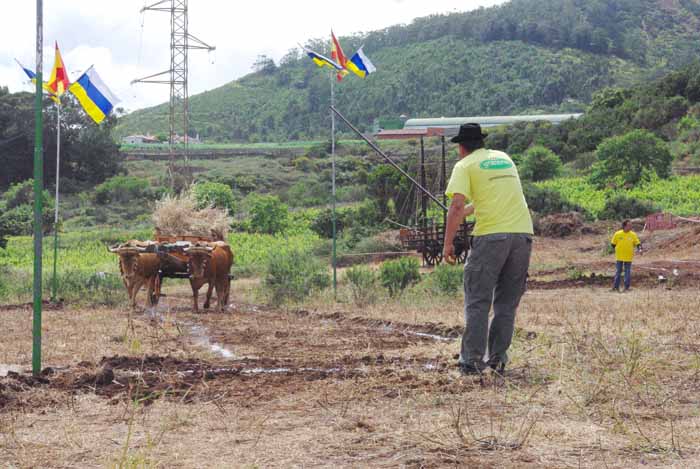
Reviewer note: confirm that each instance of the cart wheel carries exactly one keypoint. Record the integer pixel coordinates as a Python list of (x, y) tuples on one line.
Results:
[(462, 256), (432, 254), (461, 249)]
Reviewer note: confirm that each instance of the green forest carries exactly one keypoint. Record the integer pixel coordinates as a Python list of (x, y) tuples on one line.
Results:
[(640, 129), (526, 56)]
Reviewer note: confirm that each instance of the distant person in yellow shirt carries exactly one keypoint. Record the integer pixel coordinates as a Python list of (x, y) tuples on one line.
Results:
[(624, 242), (496, 269)]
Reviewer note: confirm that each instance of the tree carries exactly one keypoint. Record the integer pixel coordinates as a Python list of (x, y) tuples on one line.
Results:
[(264, 64), (17, 211), (214, 194), (540, 163), (89, 155), (629, 157), (290, 57), (266, 214), (391, 189)]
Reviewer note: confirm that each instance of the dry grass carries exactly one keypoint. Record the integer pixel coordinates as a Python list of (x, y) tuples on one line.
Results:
[(596, 380), (178, 215)]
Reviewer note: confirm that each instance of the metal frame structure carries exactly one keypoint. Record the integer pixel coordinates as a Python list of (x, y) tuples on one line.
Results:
[(181, 41), (427, 240)]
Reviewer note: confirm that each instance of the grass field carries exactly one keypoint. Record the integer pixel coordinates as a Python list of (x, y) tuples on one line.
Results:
[(88, 272), (679, 195), (597, 379)]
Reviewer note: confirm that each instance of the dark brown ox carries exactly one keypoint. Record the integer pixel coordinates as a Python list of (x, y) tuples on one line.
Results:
[(137, 268), (210, 263)]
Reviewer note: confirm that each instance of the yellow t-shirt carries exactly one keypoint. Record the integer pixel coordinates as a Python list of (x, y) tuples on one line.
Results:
[(624, 245), (490, 181)]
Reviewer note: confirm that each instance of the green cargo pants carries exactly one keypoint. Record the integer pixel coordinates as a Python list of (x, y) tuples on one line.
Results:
[(495, 273)]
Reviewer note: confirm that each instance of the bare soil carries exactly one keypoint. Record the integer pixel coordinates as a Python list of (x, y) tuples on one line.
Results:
[(596, 379)]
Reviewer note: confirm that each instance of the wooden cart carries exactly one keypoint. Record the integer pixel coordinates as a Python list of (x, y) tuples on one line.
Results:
[(429, 241), (174, 263)]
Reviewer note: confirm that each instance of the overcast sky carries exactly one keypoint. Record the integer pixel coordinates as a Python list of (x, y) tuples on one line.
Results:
[(124, 44)]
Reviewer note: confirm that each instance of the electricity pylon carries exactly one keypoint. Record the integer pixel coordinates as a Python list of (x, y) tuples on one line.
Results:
[(181, 41)]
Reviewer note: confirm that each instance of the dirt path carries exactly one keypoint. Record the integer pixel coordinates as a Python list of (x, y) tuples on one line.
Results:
[(263, 387)]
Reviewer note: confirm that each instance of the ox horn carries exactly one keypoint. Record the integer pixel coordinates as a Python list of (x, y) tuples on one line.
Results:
[(114, 249)]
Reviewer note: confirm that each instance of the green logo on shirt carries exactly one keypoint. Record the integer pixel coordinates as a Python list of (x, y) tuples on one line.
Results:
[(496, 163)]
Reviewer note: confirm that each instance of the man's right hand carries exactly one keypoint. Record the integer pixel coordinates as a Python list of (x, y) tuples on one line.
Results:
[(448, 253)]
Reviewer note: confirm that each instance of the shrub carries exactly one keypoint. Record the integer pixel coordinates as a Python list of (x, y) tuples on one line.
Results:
[(630, 157), (90, 287), (448, 278), (3, 287), (321, 150), (376, 244), (322, 224), (266, 214), (306, 194), (358, 217), (620, 207), (354, 236), (363, 285), (354, 193), (17, 211), (123, 189), (304, 164), (22, 193), (546, 201), (214, 194), (18, 194), (293, 275), (245, 183), (540, 163), (399, 274)]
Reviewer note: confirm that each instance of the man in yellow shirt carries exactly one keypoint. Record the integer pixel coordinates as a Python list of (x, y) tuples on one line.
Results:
[(624, 241), (496, 269)]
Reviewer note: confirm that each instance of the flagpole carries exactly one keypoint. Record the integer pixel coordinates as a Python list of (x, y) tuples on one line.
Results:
[(38, 189), (335, 275), (54, 283)]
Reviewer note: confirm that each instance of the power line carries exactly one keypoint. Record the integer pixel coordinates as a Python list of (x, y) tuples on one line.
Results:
[(181, 41)]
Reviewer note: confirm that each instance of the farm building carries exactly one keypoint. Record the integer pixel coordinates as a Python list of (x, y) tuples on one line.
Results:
[(485, 121), (138, 139)]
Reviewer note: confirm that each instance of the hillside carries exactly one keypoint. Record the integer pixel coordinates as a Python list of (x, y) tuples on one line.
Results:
[(523, 56)]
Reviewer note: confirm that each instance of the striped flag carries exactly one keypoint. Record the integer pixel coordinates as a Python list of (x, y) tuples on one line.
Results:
[(97, 100), (322, 60), (360, 64), (32, 77)]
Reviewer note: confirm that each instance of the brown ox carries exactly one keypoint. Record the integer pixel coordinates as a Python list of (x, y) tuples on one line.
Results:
[(210, 263), (137, 268)]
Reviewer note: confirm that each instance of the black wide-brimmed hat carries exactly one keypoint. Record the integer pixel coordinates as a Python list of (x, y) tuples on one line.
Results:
[(468, 133)]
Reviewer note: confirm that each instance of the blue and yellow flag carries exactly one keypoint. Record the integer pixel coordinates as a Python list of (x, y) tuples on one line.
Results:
[(360, 64), (322, 60), (97, 100), (44, 85)]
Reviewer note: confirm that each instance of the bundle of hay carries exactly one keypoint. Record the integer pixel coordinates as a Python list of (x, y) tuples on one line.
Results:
[(179, 216)]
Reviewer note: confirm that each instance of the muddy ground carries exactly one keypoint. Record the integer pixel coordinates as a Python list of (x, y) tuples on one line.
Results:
[(258, 355)]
